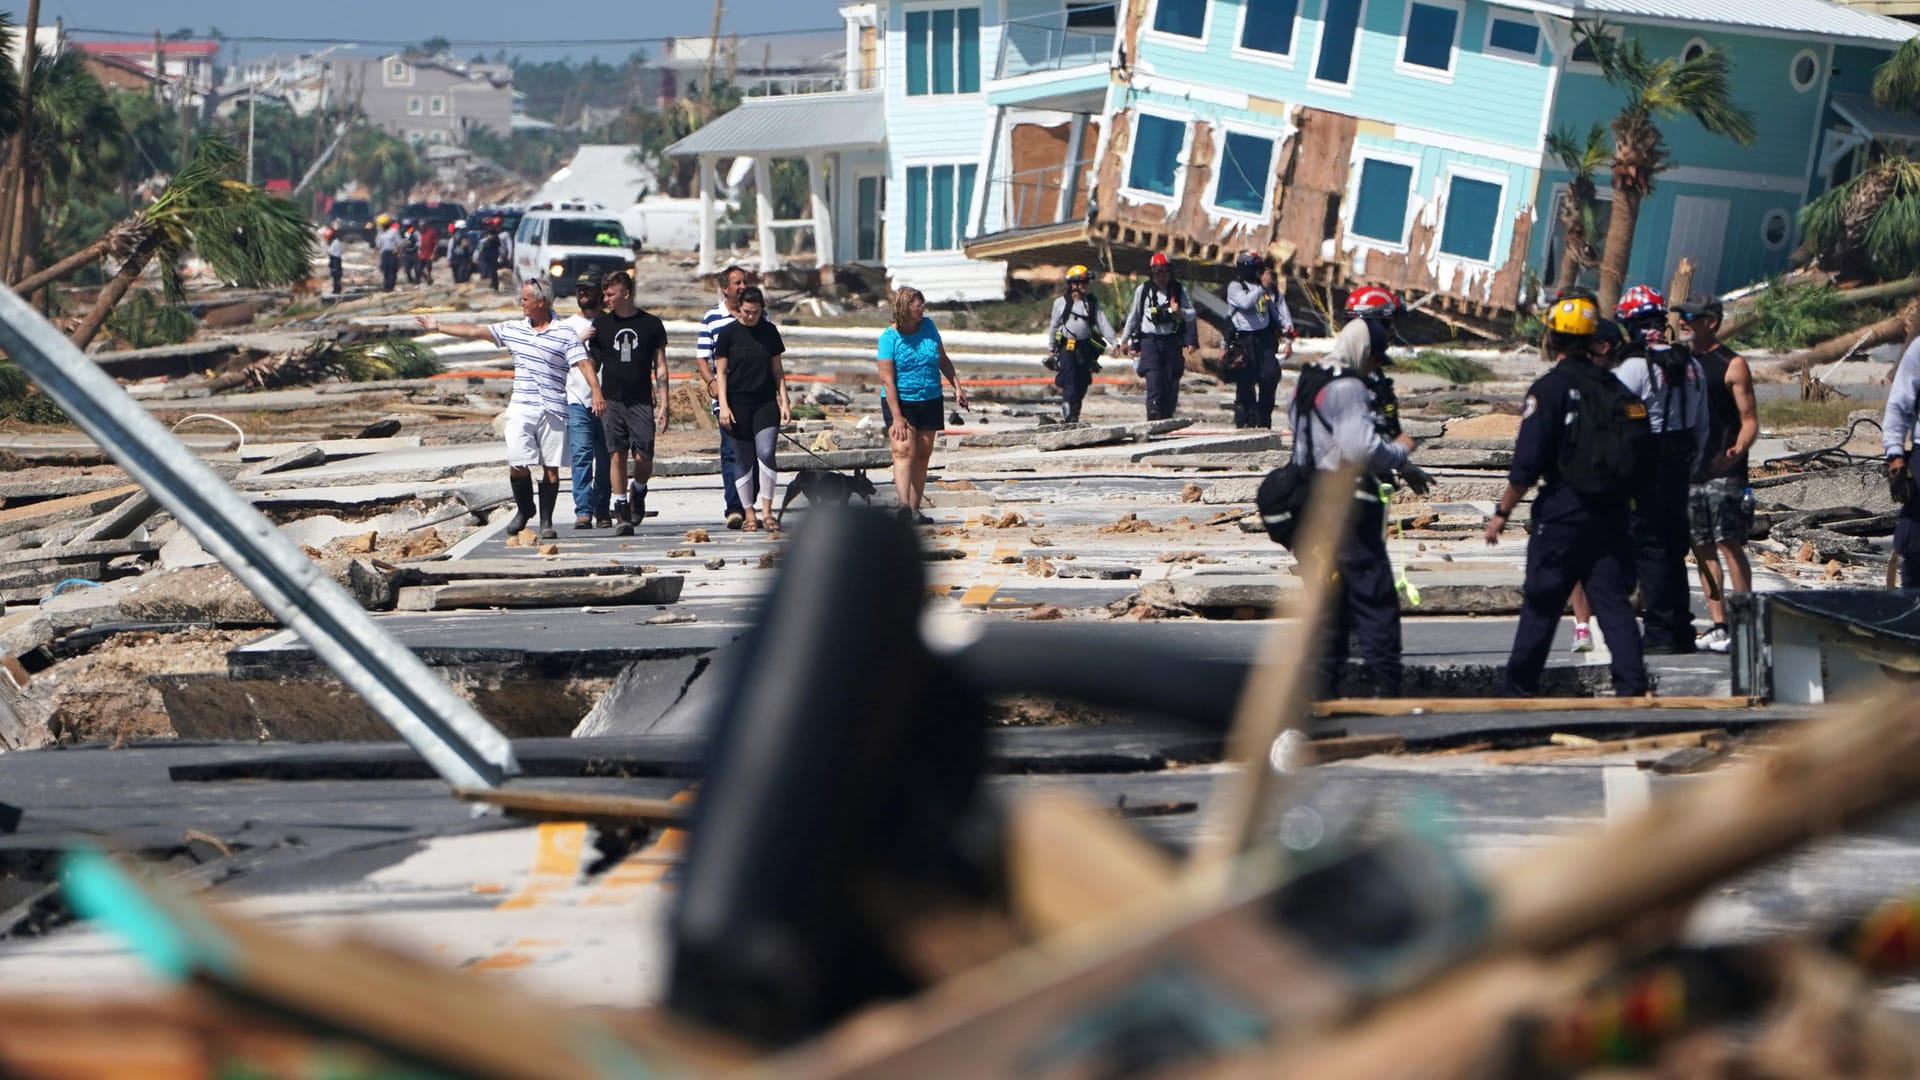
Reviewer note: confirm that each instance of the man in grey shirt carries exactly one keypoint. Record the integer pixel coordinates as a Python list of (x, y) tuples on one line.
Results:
[(1079, 333), (1896, 438), (1261, 322), (1160, 322)]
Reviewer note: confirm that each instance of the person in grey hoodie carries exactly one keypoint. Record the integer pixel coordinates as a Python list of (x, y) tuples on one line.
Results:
[(1160, 324), (1079, 333), (1896, 438)]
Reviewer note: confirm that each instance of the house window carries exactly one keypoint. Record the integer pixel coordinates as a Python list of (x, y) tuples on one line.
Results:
[(943, 51), (1157, 143), (1428, 39), (1805, 71), (1246, 163), (1516, 38), (415, 106), (938, 199), (438, 105), (1776, 229), (1473, 215), (397, 70), (1380, 210), (1339, 33), (1694, 50), (1183, 18), (1267, 26)]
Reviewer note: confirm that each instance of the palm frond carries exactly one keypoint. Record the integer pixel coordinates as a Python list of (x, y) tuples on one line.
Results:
[(1703, 88), (406, 358), (1822, 220), (1896, 85)]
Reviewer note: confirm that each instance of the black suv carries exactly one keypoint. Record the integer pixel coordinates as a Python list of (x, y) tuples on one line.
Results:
[(442, 214), (492, 219), (355, 217)]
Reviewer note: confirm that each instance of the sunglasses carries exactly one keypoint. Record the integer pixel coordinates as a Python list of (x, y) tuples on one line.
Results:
[(1689, 316)]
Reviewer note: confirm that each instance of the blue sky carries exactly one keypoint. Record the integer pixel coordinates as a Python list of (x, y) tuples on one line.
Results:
[(489, 20)]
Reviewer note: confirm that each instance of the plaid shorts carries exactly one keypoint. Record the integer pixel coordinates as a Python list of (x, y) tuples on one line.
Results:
[(1719, 512)]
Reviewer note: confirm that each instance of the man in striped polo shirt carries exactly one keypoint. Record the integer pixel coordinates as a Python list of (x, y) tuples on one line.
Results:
[(732, 280), (544, 350)]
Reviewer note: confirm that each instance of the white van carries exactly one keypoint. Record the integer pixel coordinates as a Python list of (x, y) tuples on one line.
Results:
[(560, 242)]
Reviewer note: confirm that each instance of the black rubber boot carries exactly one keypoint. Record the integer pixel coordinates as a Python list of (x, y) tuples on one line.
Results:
[(522, 484), (549, 494), (637, 501), (623, 514)]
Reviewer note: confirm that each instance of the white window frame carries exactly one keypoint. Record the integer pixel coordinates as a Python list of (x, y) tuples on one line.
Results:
[(1444, 191), (1181, 161), (437, 105), (1688, 47), (1786, 237), (1356, 171), (1280, 60), (932, 96), (416, 105), (1181, 41), (1586, 67), (1420, 71), (1223, 129), (397, 72), (961, 213), (1487, 47), (1344, 89), (1793, 78)]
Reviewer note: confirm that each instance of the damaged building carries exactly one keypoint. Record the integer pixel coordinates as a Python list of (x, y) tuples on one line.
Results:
[(1400, 143)]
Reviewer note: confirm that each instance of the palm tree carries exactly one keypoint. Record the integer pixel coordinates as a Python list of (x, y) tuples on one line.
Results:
[(246, 235), (1869, 226), (1579, 217), (75, 146), (1656, 90)]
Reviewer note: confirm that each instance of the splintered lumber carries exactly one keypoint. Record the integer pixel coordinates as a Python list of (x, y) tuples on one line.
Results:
[(540, 593), (1069, 861), (443, 1019), (1678, 741), (1348, 747), (1412, 706), (578, 805)]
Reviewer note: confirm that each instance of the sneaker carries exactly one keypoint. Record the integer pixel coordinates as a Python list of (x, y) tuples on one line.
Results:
[(584, 521), (547, 533), (1715, 640), (735, 519), (603, 523), (1582, 639)]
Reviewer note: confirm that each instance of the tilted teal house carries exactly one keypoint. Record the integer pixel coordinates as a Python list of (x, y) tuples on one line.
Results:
[(1402, 142), (1396, 142)]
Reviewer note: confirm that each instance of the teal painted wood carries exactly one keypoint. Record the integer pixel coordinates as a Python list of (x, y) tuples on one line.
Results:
[(1489, 97), (928, 130), (1431, 182), (1744, 258)]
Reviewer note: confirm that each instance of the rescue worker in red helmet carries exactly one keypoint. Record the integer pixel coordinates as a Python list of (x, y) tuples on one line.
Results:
[(1343, 414), (1160, 325), (1261, 324)]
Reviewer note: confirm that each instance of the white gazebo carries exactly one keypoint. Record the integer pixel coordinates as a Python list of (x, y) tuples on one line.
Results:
[(838, 135)]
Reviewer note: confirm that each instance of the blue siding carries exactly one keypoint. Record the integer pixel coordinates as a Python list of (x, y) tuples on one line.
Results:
[(1431, 192), (929, 130)]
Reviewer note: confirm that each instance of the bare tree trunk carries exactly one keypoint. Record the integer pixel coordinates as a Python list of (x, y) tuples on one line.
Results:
[(1570, 261), (17, 183), (64, 268), (1613, 262), (30, 249), (111, 296), (1885, 332)]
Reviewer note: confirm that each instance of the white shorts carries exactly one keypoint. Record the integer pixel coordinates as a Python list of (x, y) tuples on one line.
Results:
[(535, 437)]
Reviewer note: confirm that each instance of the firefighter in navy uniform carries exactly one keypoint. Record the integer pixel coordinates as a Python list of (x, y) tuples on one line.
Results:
[(1581, 534), (1079, 334), (1343, 413)]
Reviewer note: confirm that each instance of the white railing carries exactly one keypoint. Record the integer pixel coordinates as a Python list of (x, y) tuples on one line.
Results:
[(1049, 44), (1031, 198)]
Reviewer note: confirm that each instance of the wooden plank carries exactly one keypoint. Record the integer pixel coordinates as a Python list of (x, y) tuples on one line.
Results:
[(441, 571), (1415, 706), (1602, 749), (578, 805), (1348, 747), (1069, 862), (540, 593)]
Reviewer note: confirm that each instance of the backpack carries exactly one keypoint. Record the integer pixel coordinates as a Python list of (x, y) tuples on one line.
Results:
[(1607, 434), (1284, 494)]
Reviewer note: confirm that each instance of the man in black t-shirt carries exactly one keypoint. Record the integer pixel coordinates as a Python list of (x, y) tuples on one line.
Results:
[(1721, 515), (629, 348)]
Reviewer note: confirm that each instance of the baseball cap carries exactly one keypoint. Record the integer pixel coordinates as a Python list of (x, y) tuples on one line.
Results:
[(1700, 304)]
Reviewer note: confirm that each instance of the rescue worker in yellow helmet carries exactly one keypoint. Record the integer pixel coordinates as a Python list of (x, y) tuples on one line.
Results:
[(1078, 333), (1583, 437)]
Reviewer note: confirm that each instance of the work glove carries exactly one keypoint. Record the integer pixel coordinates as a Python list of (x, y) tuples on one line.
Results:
[(1417, 478), (1052, 362), (1900, 484)]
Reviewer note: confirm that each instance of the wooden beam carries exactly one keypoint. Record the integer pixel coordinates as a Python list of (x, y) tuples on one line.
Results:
[(1680, 741), (578, 805), (1069, 862), (1413, 706)]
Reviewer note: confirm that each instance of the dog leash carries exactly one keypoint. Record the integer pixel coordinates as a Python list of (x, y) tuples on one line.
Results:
[(1387, 530), (810, 452)]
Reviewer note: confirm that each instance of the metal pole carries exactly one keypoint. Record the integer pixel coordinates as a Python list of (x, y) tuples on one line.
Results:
[(456, 741), (252, 92)]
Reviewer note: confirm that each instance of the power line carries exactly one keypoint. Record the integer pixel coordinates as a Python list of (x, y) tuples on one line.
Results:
[(572, 43)]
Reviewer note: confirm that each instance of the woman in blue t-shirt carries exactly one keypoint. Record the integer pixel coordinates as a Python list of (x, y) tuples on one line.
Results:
[(912, 360)]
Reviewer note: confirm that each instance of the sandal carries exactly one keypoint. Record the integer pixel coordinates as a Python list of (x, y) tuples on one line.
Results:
[(750, 525), (773, 524)]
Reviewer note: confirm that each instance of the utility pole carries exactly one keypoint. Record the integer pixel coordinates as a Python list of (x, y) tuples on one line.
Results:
[(713, 53), (15, 203), (252, 92), (159, 64)]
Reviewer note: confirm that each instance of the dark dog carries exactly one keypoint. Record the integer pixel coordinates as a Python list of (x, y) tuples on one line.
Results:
[(825, 487)]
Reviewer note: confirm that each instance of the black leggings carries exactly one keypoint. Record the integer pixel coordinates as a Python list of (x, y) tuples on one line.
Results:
[(755, 433)]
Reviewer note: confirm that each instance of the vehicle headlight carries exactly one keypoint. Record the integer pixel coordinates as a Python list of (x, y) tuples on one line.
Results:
[(557, 269)]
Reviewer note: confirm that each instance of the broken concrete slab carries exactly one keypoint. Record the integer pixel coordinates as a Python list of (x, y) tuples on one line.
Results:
[(541, 593), (80, 608), (1231, 492), (374, 586), (120, 522), (1449, 592), (19, 492), (1096, 571), (787, 460), (1452, 457), (1264, 442), (642, 695), (1864, 486), (300, 457), (195, 594), (334, 449), (74, 553), (24, 631), (442, 571), (1107, 434), (69, 508)]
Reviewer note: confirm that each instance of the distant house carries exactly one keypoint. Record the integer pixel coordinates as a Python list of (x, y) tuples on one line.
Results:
[(298, 81), (774, 64), (185, 66), (425, 99)]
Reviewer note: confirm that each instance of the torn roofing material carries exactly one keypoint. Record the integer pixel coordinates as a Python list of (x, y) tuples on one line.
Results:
[(1815, 20), (800, 122)]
